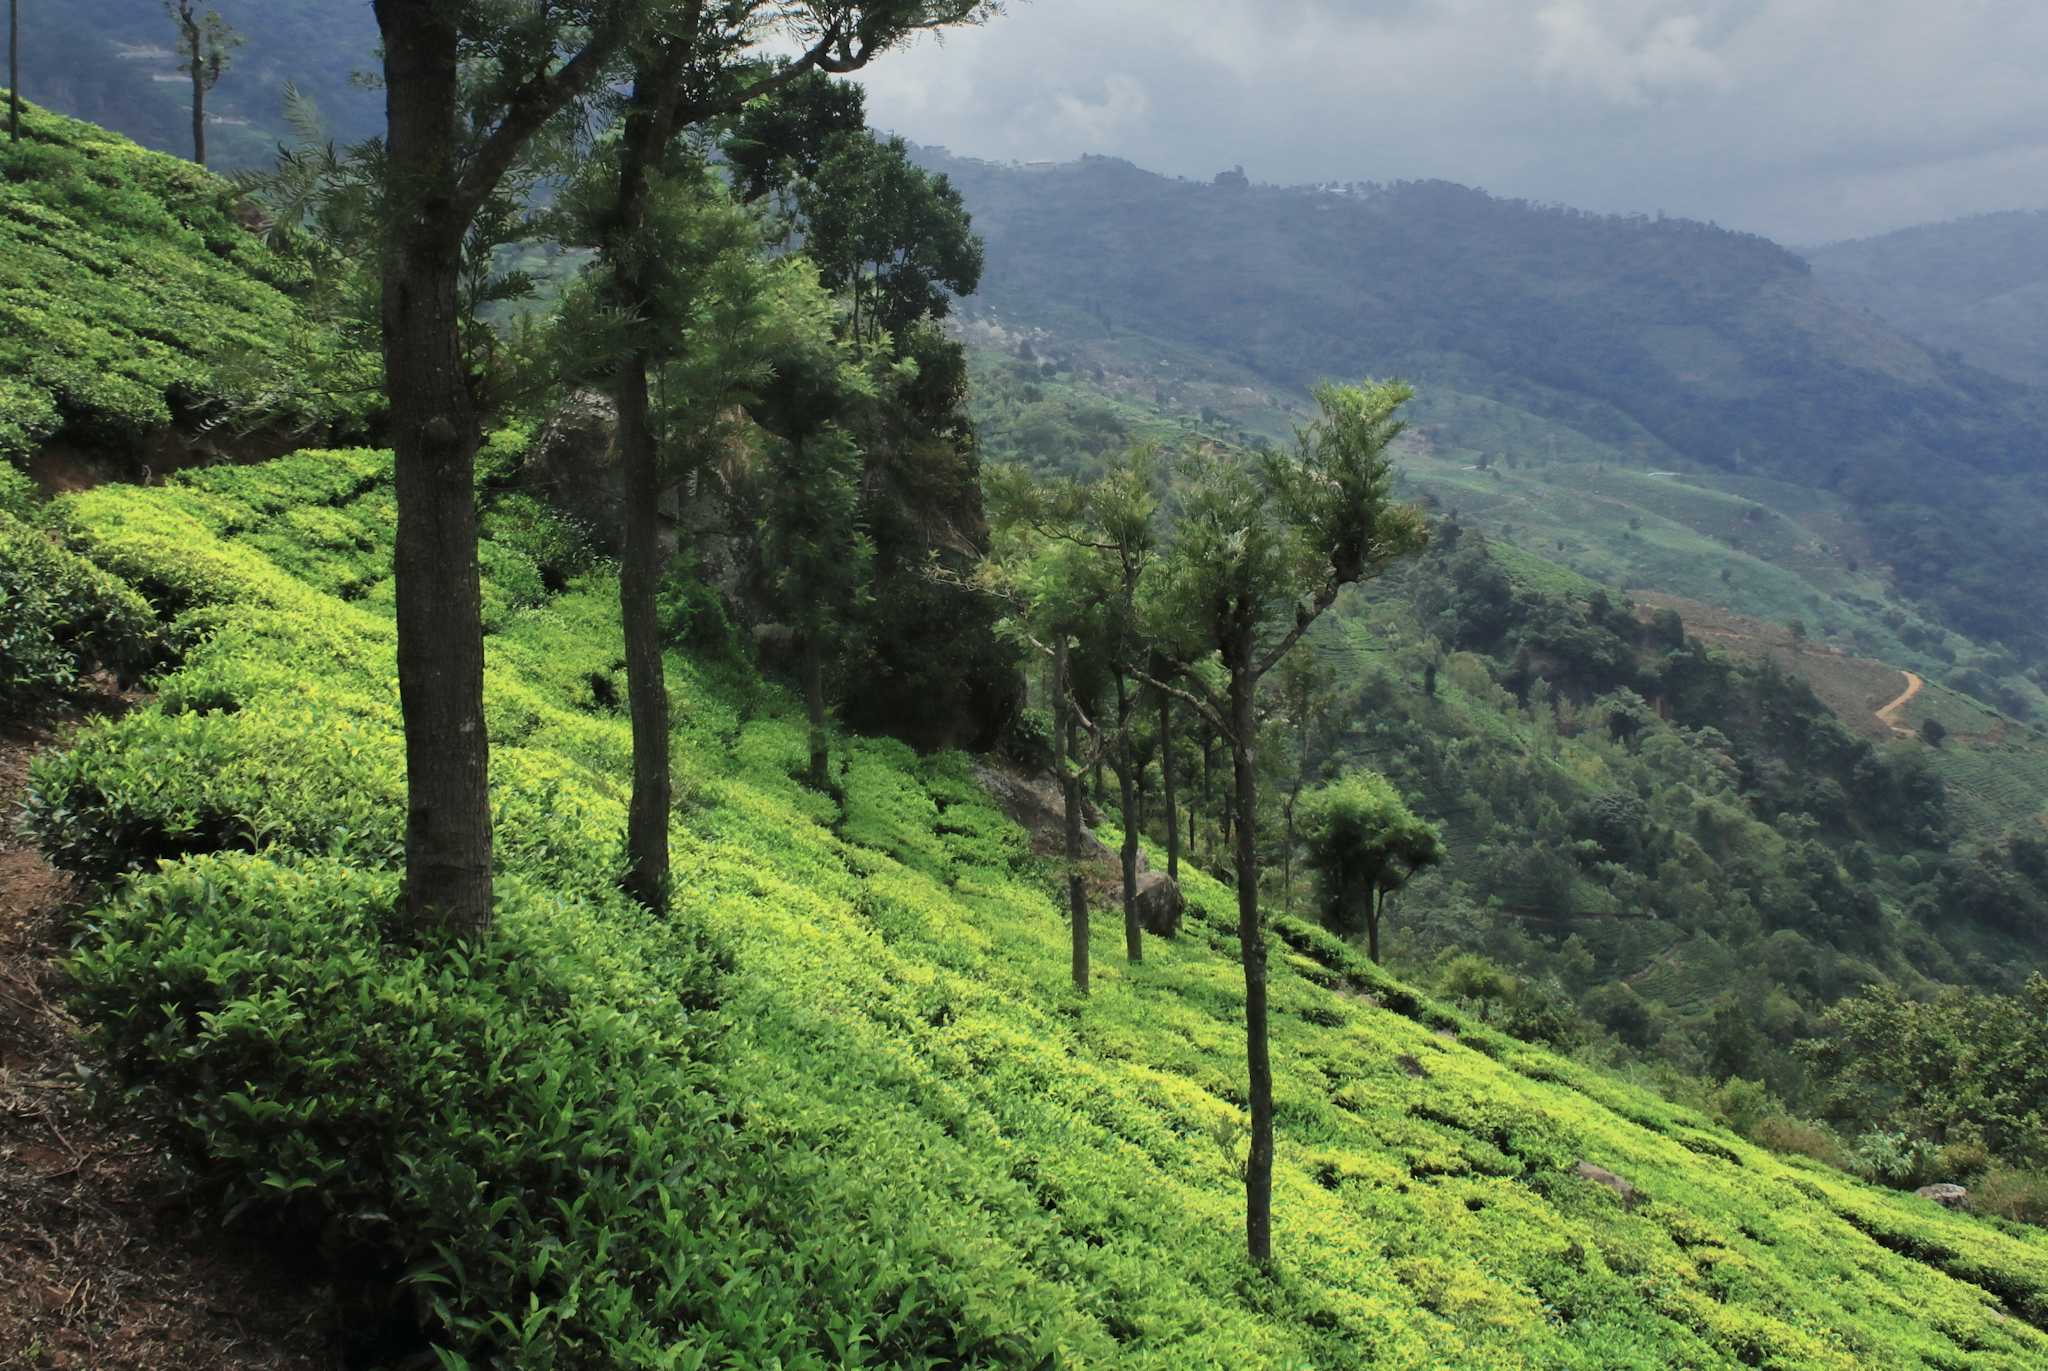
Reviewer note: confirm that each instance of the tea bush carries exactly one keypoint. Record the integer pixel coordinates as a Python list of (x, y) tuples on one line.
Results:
[(128, 293), (61, 617), (840, 1108)]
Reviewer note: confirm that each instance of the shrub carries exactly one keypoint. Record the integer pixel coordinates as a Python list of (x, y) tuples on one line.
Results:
[(1799, 1137), (487, 1120), (18, 495), (60, 618), (1894, 1157), (2012, 1193)]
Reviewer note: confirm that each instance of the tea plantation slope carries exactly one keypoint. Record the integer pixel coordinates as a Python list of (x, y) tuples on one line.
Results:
[(843, 1109), (128, 291)]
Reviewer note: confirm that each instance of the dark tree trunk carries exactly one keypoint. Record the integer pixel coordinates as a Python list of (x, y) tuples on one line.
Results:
[(1166, 786), (1287, 854), (198, 118), (1375, 905), (434, 438), (1251, 934), (1227, 829), (14, 71), (1127, 784), (647, 813), (197, 72), (1070, 798), (649, 125), (814, 707)]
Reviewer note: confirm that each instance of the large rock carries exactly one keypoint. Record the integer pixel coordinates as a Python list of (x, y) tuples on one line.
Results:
[(1600, 1175), (1159, 904), (574, 465), (1032, 800), (1947, 1194)]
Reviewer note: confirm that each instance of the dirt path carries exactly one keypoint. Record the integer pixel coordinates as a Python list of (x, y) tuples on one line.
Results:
[(100, 1267), (1889, 715)]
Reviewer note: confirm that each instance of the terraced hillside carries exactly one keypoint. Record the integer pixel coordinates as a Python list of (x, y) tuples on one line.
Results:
[(843, 1108), (132, 296)]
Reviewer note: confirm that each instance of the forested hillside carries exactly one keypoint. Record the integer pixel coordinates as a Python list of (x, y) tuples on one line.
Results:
[(1668, 343), (1978, 287)]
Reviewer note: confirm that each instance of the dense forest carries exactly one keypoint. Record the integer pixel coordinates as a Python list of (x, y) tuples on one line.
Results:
[(646, 747)]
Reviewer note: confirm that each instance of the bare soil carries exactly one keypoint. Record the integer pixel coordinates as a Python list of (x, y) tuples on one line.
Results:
[(101, 1265), (1859, 691)]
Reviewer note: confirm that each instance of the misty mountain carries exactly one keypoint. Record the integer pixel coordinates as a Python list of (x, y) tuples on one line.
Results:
[(1682, 343), (1977, 286)]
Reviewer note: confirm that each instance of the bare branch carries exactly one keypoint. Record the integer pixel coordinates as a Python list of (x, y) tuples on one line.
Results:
[(1304, 617), (1207, 705), (540, 99)]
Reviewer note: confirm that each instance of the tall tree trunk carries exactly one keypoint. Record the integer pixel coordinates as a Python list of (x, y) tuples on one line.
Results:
[(1287, 854), (1127, 785), (648, 128), (1070, 797), (647, 812), (814, 707), (1251, 935), (198, 73), (1166, 786), (1375, 905), (14, 71), (434, 438)]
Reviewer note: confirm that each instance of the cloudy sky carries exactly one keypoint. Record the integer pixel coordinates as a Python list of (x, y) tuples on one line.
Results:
[(1808, 120)]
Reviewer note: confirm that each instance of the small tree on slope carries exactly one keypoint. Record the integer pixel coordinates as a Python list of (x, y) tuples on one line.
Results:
[(1259, 554), (1365, 843)]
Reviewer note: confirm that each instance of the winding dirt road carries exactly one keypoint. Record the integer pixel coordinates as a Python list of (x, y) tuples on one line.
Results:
[(1889, 715)]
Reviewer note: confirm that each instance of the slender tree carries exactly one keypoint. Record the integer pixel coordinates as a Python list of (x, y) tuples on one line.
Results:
[(692, 63), (1365, 844), (1120, 533), (207, 43), (1169, 801), (1259, 554), (1047, 567), (14, 71)]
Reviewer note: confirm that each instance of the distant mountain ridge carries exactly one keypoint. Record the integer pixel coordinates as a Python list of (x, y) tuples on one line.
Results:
[(1686, 344), (1978, 286)]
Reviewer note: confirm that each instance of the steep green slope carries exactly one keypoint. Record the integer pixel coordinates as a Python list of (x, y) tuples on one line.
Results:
[(1978, 286), (130, 295), (868, 1124)]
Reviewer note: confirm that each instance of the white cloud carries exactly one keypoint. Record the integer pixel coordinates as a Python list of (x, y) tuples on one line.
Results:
[(1806, 119), (1099, 123), (1622, 61)]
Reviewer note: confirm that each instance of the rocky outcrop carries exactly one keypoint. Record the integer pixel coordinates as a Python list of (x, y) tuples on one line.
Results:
[(574, 465), (1159, 904), (1600, 1175), (1032, 800), (1947, 1194)]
